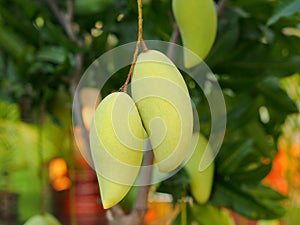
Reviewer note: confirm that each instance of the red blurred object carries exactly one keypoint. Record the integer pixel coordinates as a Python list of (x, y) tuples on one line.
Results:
[(239, 220), (85, 200)]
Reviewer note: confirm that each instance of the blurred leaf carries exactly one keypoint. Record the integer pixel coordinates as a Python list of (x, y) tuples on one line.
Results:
[(262, 64), (293, 216), (281, 100), (54, 34), (227, 36), (22, 151), (257, 132), (26, 184), (261, 191), (254, 173), (26, 28), (235, 155), (240, 109), (53, 54), (9, 111), (284, 8), (41, 68), (245, 203), (11, 42), (88, 7)]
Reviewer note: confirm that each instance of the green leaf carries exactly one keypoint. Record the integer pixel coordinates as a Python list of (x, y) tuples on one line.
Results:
[(258, 133), (237, 153), (254, 173), (227, 36), (11, 42), (284, 8), (281, 100), (55, 35), (261, 191), (20, 151), (9, 111), (25, 28), (88, 7), (245, 202), (261, 64), (52, 54)]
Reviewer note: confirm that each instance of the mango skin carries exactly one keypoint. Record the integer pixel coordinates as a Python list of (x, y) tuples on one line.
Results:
[(46, 219), (197, 22), (201, 182), (164, 104), (117, 145)]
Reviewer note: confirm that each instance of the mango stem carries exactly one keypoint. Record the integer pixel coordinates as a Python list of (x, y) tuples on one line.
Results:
[(138, 43)]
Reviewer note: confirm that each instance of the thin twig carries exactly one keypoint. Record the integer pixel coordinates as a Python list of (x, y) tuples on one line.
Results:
[(221, 6), (145, 48), (71, 10), (175, 34), (138, 43)]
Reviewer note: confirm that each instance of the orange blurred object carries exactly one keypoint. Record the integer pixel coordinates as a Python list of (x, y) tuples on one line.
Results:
[(277, 177), (61, 183), (58, 171), (160, 210), (57, 168)]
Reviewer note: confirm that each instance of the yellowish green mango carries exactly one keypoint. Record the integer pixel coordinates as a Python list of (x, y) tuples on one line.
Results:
[(201, 181), (197, 22), (42, 219), (164, 104), (268, 222), (117, 144)]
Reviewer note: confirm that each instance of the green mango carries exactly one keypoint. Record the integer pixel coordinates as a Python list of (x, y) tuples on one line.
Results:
[(128, 201), (197, 22), (201, 181), (45, 219), (117, 145), (268, 222), (164, 104)]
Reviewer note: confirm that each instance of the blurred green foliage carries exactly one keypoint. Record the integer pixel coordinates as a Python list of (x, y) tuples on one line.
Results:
[(257, 45)]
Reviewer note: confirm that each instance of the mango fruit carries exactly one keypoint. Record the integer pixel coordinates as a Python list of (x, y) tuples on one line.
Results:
[(201, 181), (268, 222), (128, 201), (117, 144), (42, 219), (197, 23), (164, 104)]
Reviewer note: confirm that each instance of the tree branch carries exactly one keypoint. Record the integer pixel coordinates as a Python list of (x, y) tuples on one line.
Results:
[(71, 10), (63, 20), (146, 172), (174, 39)]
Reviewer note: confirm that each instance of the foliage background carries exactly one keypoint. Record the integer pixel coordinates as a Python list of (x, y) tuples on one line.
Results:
[(44, 50)]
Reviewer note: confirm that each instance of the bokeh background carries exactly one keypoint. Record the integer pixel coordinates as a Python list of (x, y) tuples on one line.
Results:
[(45, 47)]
